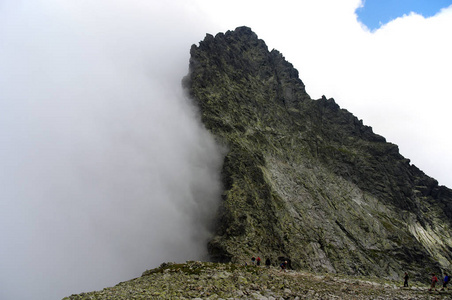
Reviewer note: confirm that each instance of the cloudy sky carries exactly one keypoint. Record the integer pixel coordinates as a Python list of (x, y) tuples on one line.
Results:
[(105, 169)]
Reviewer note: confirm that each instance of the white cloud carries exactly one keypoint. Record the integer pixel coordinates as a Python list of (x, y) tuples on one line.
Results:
[(105, 168)]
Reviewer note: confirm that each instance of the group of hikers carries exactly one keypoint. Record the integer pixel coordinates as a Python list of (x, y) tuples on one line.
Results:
[(257, 262), (433, 281)]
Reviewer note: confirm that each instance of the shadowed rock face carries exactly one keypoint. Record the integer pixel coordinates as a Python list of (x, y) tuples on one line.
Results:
[(305, 179)]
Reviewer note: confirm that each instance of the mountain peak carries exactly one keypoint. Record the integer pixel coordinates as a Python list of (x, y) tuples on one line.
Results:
[(305, 180)]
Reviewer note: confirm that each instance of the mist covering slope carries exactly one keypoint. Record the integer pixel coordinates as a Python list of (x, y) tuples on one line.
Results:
[(304, 179)]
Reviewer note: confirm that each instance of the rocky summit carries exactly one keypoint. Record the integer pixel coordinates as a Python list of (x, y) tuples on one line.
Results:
[(305, 181)]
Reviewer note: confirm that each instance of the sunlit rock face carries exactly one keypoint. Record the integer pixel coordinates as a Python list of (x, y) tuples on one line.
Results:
[(304, 179)]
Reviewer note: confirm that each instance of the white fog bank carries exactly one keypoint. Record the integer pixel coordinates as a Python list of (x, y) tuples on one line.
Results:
[(105, 169)]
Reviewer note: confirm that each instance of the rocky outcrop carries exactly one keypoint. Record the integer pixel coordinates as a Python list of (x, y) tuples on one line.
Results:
[(307, 180), (196, 280)]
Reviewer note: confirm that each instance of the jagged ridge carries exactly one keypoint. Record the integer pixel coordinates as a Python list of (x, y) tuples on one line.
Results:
[(304, 179)]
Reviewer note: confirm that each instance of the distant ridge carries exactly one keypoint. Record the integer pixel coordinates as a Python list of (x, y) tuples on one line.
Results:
[(305, 180)]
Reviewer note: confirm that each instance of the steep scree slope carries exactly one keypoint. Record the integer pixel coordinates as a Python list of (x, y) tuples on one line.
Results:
[(304, 179)]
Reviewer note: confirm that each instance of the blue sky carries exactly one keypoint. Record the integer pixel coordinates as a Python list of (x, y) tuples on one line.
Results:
[(375, 13)]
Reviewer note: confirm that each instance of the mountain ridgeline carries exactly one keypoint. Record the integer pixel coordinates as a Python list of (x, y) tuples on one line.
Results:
[(305, 180)]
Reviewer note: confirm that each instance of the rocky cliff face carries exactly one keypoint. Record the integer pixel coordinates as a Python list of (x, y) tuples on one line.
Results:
[(304, 179)]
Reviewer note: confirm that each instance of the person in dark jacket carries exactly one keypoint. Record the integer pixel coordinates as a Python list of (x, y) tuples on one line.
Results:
[(405, 283), (283, 266)]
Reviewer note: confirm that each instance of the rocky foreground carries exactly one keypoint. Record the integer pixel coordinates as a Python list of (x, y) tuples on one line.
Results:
[(203, 280)]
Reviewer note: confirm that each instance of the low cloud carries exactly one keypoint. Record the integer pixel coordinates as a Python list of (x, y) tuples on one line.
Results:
[(105, 167)]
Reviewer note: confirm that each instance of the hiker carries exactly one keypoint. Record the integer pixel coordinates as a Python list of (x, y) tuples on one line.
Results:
[(258, 261), (434, 281), (253, 259), (445, 281), (268, 262), (405, 283), (283, 266)]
